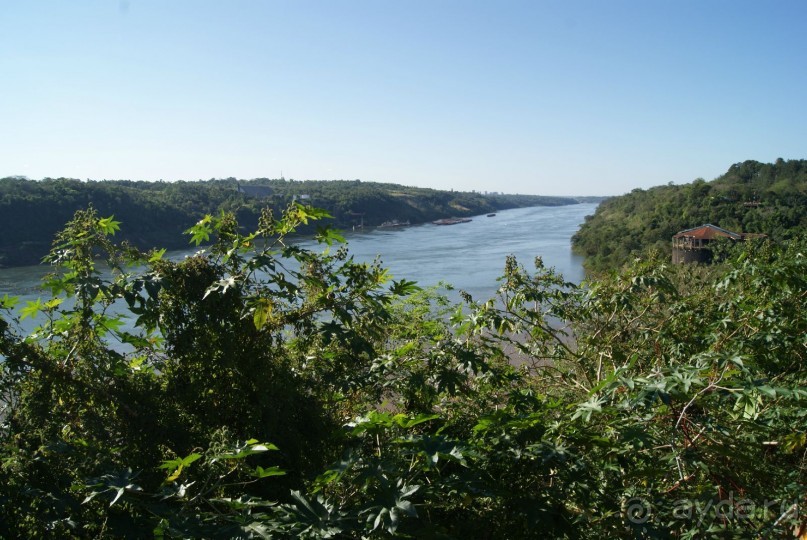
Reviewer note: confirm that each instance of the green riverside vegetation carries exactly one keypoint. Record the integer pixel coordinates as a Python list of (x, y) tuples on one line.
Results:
[(262, 390), (752, 197), (156, 213)]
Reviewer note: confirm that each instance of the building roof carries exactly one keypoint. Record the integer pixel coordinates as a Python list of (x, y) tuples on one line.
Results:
[(708, 232)]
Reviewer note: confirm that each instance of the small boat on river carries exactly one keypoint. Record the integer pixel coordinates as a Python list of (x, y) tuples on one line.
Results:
[(394, 223), (451, 221)]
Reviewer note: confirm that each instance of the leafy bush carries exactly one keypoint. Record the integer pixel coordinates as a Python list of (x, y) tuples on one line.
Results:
[(258, 389)]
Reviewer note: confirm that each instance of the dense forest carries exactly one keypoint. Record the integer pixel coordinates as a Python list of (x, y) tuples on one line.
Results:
[(753, 197), (156, 213), (262, 390)]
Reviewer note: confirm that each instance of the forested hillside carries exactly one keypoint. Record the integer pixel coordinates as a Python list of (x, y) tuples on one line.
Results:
[(260, 389), (156, 213), (768, 198)]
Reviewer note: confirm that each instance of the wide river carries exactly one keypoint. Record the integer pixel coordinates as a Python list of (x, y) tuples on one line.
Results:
[(469, 256)]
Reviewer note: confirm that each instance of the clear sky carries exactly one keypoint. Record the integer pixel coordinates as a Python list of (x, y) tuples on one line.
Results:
[(549, 97)]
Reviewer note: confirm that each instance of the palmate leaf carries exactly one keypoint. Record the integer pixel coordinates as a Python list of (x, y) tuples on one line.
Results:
[(244, 502), (31, 309), (108, 225), (377, 421), (391, 505), (749, 405), (156, 255), (329, 236), (175, 466), (585, 410), (314, 517), (8, 302), (201, 231), (53, 303), (110, 323), (404, 287), (305, 212), (250, 447), (433, 448), (114, 485), (336, 471)]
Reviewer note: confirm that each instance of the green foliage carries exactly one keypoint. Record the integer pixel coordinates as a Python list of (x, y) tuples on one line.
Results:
[(258, 389), (751, 197)]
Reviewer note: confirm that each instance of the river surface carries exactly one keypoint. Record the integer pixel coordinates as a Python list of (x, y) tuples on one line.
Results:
[(468, 256)]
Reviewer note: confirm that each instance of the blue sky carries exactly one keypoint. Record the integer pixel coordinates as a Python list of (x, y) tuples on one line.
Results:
[(560, 98)]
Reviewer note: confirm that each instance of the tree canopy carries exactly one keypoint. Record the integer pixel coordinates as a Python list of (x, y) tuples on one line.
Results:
[(751, 197)]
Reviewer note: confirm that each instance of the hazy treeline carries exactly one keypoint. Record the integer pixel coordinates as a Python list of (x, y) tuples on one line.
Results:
[(769, 198), (156, 213)]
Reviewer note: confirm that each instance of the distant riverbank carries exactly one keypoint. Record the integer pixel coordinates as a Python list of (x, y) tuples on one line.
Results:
[(155, 214)]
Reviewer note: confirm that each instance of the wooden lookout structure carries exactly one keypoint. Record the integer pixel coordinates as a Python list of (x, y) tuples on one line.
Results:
[(692, 245)]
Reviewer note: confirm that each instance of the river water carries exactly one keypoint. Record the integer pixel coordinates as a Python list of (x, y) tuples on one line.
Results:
[(469, 256)]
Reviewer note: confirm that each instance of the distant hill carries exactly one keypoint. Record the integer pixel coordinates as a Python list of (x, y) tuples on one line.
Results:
[(156, 213), (769, 198), (590, 199)]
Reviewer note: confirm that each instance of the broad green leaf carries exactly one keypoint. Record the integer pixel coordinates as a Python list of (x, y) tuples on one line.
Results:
[(767, 390), (8, 302), (404, 287), (156, 255), (31, 309), (262, 313), (260, 472), (795, 442), (585, 410), (108, 225), (111, 323), (175, 466), (329, 236), (201, 231)]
